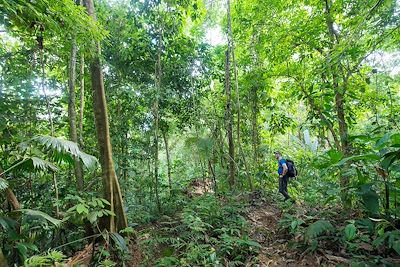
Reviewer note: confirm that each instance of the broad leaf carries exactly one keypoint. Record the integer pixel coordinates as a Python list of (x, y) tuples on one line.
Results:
[(370, 156), (370, 199), (396, 246), (119, 241), (42, 215), (334, 155), (350, 231), (80, 208)]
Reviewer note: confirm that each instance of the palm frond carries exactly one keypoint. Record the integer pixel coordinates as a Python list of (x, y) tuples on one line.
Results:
[(3, 184), (41, 215), (62, 150), (32, 164)]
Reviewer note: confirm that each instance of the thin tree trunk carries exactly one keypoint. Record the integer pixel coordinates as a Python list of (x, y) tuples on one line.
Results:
[(339, 104), (235, 71), (229, 122), (155, 108), (255, 141), (112, 189), (82, 99), (125, 161), (72, 113), (156, 118), (212, 172), (168, 160), (51, 126), (45, 94), (246, 168)]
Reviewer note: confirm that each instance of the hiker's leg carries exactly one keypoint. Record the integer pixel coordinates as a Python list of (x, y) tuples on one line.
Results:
[(283, 187), (280, 185), (285, 180)]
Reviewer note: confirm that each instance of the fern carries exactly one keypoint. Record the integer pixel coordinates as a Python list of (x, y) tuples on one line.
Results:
[(53, 258), (318, 228)]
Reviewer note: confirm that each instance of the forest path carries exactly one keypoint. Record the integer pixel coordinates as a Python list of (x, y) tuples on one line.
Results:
[(263, 216)]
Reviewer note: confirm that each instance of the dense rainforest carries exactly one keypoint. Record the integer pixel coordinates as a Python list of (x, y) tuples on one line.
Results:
[(144, 132)]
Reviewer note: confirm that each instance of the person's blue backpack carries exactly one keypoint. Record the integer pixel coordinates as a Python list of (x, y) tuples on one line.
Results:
[(292, 171)]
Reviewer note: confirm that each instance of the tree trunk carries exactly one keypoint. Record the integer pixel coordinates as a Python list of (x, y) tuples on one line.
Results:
[(229, 122), (158, 73), (155, 108), (82, 99), (212, 172), (10, 196), (49, 113), (339, 104), (254, 130), (231, 44), (3, 260), (72, 113), (168, 160), (111, 185)]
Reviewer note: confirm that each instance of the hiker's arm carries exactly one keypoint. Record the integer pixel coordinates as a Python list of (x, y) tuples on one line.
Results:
[(285, 169)]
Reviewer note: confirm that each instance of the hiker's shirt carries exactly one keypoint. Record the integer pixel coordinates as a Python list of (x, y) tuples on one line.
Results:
[(280, 166)]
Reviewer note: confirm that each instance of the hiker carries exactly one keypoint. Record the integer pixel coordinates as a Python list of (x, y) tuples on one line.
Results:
[(283, 175)]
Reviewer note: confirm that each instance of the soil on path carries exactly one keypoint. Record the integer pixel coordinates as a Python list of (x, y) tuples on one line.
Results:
[(263, 216)]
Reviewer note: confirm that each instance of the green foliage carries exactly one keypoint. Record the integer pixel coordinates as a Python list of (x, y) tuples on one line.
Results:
[(350, 232), (208, 233), (52, 258), (3, 184), (91, 209), (317, 80), (318, 228), (65, 150), (42, 215)]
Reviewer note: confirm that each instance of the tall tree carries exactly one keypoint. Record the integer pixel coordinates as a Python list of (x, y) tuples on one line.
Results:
[(229, 121), (156, 115), (72, 112), (110, 182)]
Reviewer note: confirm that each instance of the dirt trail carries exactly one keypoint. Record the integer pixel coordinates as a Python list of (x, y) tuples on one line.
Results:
[(264, 215)]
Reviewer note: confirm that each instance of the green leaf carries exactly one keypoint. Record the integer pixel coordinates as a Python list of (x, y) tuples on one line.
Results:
[(42, 164), (396, 246), (382, 142), (7, 223), (127, 230), (119, 241), (318, 228), (350, 231), (33, 164), (370, 199), (40, 214), (81, 208), (370, 156), (65, 150), (92, 217), (3, 184), (395, 139), (334, 155)]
